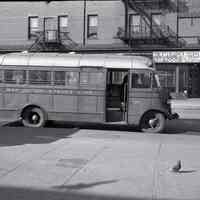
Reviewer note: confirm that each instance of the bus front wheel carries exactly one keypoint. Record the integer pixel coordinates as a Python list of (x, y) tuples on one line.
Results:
[(152, 122), (34, 117)]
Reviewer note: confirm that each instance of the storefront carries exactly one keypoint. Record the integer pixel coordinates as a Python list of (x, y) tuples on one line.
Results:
[(179, 71)]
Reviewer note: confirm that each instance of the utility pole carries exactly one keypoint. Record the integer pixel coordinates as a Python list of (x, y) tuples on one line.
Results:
[(177, 22), (84, 21)]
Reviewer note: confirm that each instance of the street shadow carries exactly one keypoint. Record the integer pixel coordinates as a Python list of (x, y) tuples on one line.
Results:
[(17, 193), (80, 186), (82, 125), (12, 136)]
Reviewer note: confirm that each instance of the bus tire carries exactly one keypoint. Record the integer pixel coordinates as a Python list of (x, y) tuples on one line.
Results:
[(34, 117), (153, 122)]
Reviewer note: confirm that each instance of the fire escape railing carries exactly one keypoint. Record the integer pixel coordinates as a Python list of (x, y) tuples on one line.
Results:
[(160, 31), (52, 40)]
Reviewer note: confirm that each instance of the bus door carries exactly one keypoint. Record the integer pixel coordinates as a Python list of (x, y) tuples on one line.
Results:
[(116, 95), (139, 94)]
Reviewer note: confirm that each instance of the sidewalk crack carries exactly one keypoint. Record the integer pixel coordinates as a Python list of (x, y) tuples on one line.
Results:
[(82, 167)]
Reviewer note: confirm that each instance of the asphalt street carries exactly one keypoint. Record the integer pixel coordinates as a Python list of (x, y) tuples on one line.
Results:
[(99, 162)]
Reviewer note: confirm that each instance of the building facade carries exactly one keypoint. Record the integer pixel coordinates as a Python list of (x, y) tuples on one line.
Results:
[(163, 26)]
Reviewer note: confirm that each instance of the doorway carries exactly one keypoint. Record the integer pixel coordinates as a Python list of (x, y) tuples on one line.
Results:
[(116, 95)]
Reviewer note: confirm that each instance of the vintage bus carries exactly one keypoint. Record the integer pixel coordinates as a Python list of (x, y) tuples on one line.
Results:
[(100, 88)]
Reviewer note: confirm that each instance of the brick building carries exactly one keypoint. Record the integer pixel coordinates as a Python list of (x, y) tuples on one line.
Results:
[(107, 25)]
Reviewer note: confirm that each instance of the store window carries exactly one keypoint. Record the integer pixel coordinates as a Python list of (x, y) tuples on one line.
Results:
[(33, 27), (92, 29), (168, 79)]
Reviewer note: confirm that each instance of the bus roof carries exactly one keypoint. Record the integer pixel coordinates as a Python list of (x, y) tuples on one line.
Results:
[(117, 61)]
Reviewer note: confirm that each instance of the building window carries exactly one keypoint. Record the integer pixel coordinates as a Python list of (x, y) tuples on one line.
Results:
[(33, 26), (135, 23), (138, 26), (50, 28), (92, 29), (62, 25)]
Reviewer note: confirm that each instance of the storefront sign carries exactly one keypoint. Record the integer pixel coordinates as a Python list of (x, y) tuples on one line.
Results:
[(176, 57)]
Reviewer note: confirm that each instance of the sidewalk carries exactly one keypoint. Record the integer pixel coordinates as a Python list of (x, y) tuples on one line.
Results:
[(104, 165)]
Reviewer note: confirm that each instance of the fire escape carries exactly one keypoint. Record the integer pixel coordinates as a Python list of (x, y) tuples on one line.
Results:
[(52, 40), (153, 33)]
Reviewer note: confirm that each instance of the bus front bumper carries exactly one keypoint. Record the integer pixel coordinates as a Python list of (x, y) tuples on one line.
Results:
[(171, 116)]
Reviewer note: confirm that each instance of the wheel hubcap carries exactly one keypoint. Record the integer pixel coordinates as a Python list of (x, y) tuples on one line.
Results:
[(35, 118), (153, 123)]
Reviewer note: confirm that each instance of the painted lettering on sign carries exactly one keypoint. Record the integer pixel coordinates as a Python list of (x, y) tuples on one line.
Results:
[(50, 91), (176, 57)]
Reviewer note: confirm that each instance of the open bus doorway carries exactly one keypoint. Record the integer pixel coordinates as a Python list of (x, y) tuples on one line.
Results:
[(116, 96)]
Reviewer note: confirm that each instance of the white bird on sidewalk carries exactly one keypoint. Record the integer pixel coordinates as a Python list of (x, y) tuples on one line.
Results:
[(176, 168)]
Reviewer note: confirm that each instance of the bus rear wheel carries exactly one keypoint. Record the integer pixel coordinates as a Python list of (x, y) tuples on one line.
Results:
[(152, 122), (34, 117)]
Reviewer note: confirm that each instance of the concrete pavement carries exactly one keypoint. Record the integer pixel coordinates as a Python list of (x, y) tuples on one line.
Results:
[(94, 164)]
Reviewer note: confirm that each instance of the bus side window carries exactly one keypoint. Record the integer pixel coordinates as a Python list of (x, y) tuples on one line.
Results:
[(15, 76), (40, 77), (72, 78), (59, 78), (141, 80)]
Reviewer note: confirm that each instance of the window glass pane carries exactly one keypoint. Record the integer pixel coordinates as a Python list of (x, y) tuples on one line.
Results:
[(15, 76), (141, 80), (135, 20), (93, 20), (157, 18), (59, 78), (92, 26), (72, 78), (84, 76), (118, 77), (33, 26), (39, 77), (34, 22), (63, 21)]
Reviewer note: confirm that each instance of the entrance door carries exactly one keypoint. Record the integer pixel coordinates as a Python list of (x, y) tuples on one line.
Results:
[(116, 96)]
